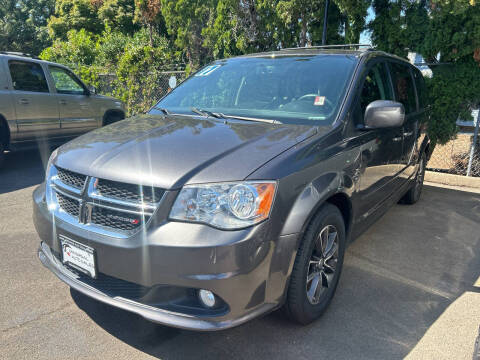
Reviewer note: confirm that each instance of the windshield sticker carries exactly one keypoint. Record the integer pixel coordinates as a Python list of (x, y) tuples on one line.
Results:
[(208, 70), (319, 100)]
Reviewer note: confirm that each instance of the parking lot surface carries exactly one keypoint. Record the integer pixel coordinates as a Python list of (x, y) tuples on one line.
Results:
[(409, 288)]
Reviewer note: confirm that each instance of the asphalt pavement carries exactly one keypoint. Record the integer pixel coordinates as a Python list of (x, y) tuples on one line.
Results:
[(410, 288)]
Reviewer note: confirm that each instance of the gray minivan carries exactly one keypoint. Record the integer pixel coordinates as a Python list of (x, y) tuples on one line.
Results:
[(41, 100), (239, 192)]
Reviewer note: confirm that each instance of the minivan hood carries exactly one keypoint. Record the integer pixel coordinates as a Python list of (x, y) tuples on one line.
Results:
[(171, 151)]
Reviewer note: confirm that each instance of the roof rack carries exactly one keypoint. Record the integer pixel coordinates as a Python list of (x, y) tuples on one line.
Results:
[(15, 53), (342, 46)]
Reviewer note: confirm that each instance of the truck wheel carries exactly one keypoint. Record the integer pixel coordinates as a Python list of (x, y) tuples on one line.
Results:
[(3, 147), (413, 195), (317, 267), (112, 118)]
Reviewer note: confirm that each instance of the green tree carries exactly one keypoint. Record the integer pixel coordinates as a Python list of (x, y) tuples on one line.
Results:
[(453, 34), (298, 16), (243, 26), (118, 15), (186, 22), (148, 13), (23, 25), (387, 27), (354, 13), (79, 48), (74, 15)]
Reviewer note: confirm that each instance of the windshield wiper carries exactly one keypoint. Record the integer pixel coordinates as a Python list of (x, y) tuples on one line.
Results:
[(246, 118), (224, 116), (206, 113), (163, 110)]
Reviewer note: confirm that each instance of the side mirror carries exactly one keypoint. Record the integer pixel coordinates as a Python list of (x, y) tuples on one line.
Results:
[(384, 114), (92, 90)]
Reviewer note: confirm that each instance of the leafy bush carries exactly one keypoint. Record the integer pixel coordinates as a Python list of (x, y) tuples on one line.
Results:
[(80, 48)]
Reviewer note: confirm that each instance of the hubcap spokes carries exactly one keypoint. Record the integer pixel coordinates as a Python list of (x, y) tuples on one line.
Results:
[(322, 264)]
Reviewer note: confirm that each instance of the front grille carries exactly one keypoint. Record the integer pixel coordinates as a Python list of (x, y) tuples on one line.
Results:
[(69, 205), (104, 205), (129, 192), (71, 178), (117, 219)]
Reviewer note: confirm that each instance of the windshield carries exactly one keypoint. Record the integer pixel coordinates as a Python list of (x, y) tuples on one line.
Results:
[(288, 89)]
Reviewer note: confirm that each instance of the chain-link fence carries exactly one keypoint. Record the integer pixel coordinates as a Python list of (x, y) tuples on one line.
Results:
[(458, 156), (141, 92)]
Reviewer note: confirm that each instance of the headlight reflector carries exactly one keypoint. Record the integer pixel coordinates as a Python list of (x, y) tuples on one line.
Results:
[(49, 174), (225, 205)]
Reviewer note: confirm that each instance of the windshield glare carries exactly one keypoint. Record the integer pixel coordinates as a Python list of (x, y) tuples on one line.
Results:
[(289, 89)]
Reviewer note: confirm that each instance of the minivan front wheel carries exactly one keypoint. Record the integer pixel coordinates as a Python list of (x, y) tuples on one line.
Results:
[(317, 267), (413, 194)]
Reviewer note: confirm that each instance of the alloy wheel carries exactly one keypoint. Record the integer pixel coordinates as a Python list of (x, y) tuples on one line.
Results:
[(322, 264)]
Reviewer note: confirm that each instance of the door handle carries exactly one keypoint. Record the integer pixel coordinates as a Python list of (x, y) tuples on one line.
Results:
[(397, 139), (62, 102), (410, 133), (24, 101)]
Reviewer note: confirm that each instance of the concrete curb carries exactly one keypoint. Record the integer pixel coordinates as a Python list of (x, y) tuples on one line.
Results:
[(453, 180)]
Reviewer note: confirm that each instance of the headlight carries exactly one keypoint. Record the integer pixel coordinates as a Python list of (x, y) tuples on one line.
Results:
[(50, 172), (50, 161), (225, 205)]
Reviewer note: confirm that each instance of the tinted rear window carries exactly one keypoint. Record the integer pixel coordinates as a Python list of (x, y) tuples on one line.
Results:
[(421, 89), (403, 86), (27, 76)]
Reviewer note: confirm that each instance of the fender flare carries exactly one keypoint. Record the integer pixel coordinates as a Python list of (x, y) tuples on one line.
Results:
[(309, 201)]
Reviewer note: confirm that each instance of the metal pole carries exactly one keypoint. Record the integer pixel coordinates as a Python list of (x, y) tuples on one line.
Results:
[(475, 138), (325, 18)]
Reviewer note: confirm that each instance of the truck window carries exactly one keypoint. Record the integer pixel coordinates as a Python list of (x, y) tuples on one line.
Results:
[(27, 76)]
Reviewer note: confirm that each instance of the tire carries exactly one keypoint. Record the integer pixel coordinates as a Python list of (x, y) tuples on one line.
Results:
[(112, 118), (3, 147), (304, 304), (413, 195)]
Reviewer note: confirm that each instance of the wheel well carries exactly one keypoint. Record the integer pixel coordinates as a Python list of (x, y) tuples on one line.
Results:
[(342, 202), (113, 112), (4, 131)]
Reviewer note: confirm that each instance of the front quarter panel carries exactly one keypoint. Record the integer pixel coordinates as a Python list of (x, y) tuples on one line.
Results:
[(309, 174)]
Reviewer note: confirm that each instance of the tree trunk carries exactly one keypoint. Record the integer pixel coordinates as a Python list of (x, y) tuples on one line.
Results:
[(150, 33), (303, 33)]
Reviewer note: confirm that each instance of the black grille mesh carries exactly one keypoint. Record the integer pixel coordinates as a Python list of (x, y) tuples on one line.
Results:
[(129, 192), (116, 219), (71, 178), (69, 205), (114, 286)]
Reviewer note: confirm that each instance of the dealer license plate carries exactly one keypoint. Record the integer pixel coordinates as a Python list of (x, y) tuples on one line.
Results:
[(78, 256)]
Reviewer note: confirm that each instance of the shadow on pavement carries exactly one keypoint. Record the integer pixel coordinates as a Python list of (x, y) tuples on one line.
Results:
[(398, 279), (23, 169)]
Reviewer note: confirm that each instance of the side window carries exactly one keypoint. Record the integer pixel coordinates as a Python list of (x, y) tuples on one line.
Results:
[(27, 76), (65, 83), (375, 87), (403, 85), (421, 88)]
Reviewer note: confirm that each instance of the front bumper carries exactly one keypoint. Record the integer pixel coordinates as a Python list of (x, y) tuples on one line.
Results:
[(148, 312), (247, 269)]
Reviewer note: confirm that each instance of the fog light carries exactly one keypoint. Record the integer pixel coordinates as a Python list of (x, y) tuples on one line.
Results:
[(207, 298)]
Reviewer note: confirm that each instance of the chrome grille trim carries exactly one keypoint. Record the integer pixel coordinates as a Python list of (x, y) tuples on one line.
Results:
[(70, 180), (137, 215), (93, 193)]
